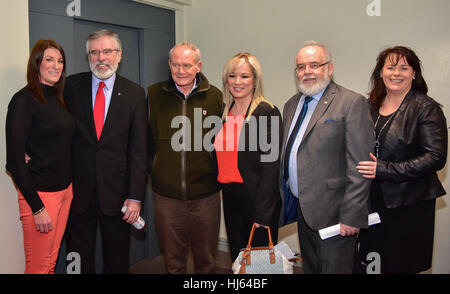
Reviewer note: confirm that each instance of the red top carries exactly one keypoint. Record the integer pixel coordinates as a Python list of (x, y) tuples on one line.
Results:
[(226, 146)]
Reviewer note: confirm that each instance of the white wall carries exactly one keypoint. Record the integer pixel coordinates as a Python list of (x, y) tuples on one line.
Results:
[(13, 65), (274, 31)]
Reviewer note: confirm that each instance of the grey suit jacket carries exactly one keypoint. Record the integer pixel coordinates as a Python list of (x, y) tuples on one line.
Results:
[(339, 135)]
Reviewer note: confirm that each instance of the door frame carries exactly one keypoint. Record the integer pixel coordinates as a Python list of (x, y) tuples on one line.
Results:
[(180, 16)]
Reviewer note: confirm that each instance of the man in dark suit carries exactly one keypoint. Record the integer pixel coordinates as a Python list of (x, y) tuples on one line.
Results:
[(108, 155), (327, 131)]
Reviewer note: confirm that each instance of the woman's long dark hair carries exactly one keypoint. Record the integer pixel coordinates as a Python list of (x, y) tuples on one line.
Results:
[(33, 70), (378, 89)]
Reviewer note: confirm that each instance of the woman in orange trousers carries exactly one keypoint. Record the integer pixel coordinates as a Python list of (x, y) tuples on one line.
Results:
[(38, 138)]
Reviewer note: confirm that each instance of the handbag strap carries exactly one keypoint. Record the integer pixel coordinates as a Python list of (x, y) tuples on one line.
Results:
[(246, 254), (252, 233)]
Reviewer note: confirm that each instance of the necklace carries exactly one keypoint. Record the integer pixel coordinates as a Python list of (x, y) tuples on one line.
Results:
[(377, 137)]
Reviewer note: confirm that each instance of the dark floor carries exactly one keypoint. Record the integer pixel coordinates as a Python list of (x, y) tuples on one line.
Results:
[(156, 265)]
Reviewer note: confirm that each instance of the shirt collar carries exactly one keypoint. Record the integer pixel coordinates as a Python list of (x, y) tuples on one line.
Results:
[(318, 95), (109, 82), (193, 88)]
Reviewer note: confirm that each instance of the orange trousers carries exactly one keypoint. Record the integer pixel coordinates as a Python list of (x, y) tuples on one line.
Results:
[(41, 249)]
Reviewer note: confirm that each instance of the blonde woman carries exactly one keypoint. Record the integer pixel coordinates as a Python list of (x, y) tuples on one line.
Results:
[(247, 151)]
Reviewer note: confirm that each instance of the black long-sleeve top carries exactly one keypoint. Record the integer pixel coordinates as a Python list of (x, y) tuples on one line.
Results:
[(44, 132)]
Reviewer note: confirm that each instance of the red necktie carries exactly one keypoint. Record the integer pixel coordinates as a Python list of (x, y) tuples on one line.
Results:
[(99, 109)]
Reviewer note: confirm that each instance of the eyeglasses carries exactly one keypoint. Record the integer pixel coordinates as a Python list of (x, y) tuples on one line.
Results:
[(106, 52), (313, 66)]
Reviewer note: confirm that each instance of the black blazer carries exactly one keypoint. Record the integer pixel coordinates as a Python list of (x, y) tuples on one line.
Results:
[(115, 166), (414, 149), (260, 177)]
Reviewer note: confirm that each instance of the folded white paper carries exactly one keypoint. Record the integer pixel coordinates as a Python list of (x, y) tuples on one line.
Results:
[(335, 230), (285, 250)]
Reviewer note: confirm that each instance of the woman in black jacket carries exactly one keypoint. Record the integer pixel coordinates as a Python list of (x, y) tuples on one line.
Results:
[(410, 147), (247, 151)]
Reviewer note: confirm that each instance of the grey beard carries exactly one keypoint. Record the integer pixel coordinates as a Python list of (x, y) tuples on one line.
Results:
[(103, 75), (319, 86)]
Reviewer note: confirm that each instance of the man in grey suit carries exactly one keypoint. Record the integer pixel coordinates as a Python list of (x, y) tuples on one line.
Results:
[(327, 131)]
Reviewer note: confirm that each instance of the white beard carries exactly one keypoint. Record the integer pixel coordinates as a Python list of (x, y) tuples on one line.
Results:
[(321, 83), (103, 74)]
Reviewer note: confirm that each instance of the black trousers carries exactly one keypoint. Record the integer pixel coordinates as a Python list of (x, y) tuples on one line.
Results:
[(238, 210), (331, 256), (81, 236)]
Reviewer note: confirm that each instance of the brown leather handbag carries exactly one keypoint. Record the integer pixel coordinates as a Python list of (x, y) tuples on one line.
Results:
[(260, 260)]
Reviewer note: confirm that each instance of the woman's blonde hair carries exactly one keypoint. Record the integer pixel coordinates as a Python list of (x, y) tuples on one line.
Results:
[(258, 94)]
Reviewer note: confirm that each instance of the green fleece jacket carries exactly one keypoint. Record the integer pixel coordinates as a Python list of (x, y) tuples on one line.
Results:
[(188, 173)]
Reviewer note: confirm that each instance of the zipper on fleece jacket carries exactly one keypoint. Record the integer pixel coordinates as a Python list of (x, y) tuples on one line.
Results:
[(183, 155), (183, 151)]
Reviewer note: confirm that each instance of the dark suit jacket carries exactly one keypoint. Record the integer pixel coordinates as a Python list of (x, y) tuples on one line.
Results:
[(339, 135), (114, 167), (259, 166)]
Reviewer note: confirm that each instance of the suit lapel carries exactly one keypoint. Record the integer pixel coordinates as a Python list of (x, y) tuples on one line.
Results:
[(288, 119), (321, 107), (114, 106), (86, 94)]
